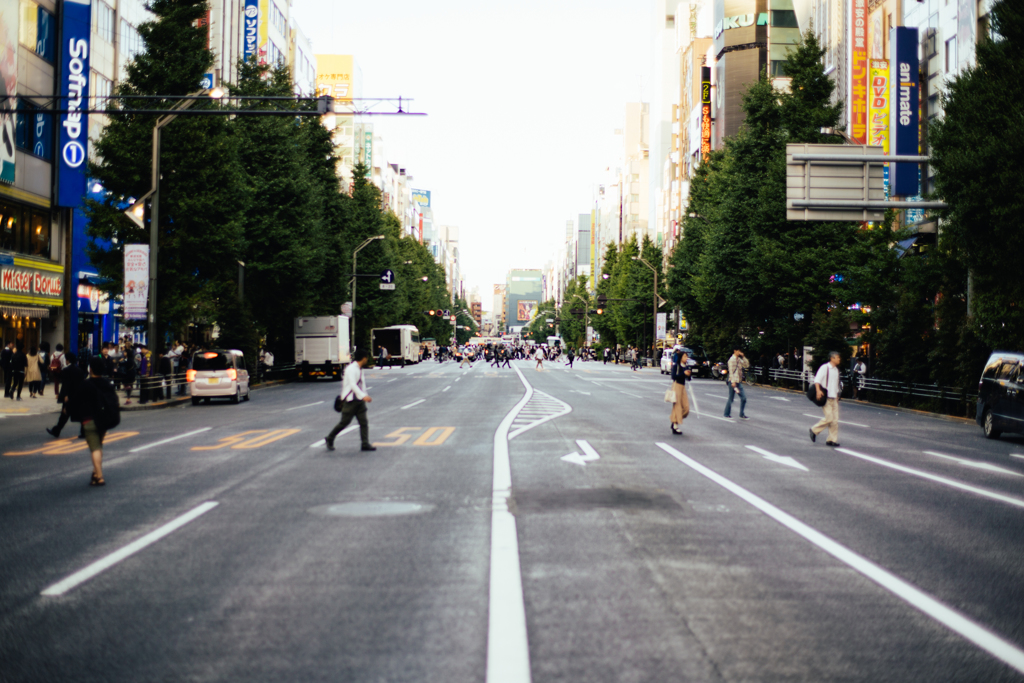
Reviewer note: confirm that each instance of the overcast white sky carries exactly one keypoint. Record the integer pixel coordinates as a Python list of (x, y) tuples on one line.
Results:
[(522, 101)]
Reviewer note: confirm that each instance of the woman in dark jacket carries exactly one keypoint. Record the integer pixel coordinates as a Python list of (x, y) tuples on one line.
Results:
[(19, 363), (680, 376), (85, 407)]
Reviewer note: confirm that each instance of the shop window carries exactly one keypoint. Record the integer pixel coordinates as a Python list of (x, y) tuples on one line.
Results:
[(131, 42), (784, 18), (34, 130), (24, 230), (104, 21), (39, 235), (37, 30), (779, 68)]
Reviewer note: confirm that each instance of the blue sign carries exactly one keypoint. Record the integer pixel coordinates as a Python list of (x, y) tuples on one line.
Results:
[(388, 276), (904, 85), (250, 29), (207, 82), (74, 87)]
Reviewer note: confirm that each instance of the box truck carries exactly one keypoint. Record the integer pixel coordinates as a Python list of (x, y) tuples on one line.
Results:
[(402, 343), (321, 347)]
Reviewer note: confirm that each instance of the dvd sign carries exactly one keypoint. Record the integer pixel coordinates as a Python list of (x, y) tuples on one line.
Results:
[(74, 87)]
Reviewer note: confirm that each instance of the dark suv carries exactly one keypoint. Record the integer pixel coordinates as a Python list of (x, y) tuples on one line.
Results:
[(1001, 394)]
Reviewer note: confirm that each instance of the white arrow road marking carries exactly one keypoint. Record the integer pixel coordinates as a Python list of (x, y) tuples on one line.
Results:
[(582, 460), (779, 398), (972, 463), (991, 642), (842, 422), (781, 459)]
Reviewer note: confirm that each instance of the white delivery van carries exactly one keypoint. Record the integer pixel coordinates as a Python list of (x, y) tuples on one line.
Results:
[(321, 347), (402, 343)]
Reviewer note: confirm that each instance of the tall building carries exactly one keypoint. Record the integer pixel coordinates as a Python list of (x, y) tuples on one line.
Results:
[(524, 292), (499, 305)]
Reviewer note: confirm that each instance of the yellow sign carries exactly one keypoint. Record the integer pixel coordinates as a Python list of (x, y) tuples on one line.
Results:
[(878, 117), (264, 39), (335, 76)]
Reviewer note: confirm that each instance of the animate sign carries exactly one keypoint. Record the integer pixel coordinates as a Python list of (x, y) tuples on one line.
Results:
[(740, 21), (74, 124), (903, 104), (32, 286)]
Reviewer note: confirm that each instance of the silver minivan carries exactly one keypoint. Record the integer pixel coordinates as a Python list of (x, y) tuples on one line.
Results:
[(218, 373)]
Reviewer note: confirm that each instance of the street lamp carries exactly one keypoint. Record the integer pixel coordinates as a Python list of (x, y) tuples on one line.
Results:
[(352, 320), (137, 210), (654, 313)]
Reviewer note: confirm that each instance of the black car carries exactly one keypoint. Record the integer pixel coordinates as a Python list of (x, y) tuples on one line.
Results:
[(1001, 394)]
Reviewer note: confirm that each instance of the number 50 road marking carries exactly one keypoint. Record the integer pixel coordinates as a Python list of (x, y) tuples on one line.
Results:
[(240, 442), (433, 436)]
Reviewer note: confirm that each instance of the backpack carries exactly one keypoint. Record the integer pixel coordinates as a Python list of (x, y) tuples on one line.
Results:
[(110, 408), (55, 364)]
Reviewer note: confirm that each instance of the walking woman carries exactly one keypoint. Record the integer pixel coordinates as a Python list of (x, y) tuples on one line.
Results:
[(87, 407), (681, 374), (33, 375)]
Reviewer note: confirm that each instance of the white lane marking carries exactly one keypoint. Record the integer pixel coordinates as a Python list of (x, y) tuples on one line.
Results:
[(842, 422), (173, 438), (958, 623), (346, 430), (781, 459), (693, 398), (713, 417), (414, 403), (308, 405), (629, 394), (446, 388), (508, 652), (942, 480), (393, 380), (587, 393), (582, 460), (113, 558), (724, 398), (975, 464), (779, 398), (1017, 455)]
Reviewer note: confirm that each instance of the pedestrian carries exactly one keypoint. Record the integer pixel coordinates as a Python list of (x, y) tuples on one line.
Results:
[(57, 363), (540, 359), (6, 360), (570, 355), (44, 365), (18, 365), (681, 374), (467, 359), (353, 401), (71, 378), (737, 364), (128, 371), (634, 358), (381, 357), (827, 385), (860, 373), (33, 375), (91, 406)]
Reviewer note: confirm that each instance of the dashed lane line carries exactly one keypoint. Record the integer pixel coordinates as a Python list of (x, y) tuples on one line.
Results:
[(308, 405), (173, 438), (973, 463)]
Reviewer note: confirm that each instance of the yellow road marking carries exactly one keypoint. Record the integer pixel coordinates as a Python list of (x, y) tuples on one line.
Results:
[(266, 439), (229, 440), (399, 436), (71, 445), (424, 439)]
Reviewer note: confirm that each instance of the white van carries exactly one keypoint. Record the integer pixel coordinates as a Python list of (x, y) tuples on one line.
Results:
[(218, 373)]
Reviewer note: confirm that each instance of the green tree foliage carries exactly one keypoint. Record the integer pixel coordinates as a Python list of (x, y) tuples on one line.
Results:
[(975, 151), (604, 323)]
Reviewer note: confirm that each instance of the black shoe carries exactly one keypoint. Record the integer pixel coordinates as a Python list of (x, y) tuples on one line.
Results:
[(833, 444), (53, 432), (674, 430), (329, 443), (744, 417), (369, 448), (814, 436)]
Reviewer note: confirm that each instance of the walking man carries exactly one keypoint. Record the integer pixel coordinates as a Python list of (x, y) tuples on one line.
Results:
[(571, 356), (353, 401), (737, 364), (826, 382), (539, 355)]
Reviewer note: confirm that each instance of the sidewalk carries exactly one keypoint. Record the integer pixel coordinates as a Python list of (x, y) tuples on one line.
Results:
[(29, 406)]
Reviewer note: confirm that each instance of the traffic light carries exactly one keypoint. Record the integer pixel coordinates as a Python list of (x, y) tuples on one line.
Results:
[(600, 311), (602, 301)]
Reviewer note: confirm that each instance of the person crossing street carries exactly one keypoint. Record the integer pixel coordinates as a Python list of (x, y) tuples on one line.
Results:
[(737, 364), (353, 402), (827, 386)]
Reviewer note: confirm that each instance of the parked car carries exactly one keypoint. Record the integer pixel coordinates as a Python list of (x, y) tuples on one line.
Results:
[(1001, 394), (218, 373)]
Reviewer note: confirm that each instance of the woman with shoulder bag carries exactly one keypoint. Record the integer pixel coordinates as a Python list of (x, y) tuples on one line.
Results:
[(681, 374), (57, 363)]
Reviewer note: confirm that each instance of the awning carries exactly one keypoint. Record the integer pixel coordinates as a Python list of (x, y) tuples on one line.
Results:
[(25, 312), (903, 246)]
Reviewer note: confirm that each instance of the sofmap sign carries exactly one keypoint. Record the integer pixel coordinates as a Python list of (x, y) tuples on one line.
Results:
[(250, 28), (74, 87), (903, 115)]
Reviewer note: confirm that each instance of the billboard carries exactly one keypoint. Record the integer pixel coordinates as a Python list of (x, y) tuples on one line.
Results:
[(74, 87), (136, 281), (421, 197), (8, 85), (525, 310), (878, 111), (264, 39), (705, 111), (904, 83), (334, 76), (859, 71), (250, 29)]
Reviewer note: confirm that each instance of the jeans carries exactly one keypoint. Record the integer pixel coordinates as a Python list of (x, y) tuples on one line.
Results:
[(743, 399)]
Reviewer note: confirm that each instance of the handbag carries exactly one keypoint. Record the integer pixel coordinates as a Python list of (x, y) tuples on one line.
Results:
[(670, 395), (812, 394), (337, 404)]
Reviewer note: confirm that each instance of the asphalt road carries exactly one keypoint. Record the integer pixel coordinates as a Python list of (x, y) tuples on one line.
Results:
[(231, 545)]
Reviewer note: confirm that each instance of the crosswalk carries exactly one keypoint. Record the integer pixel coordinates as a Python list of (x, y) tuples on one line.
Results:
[(539, 409)]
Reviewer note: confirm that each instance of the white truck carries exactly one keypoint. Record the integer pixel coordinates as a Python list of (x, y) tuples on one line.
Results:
[(321, 347), (401, 342)]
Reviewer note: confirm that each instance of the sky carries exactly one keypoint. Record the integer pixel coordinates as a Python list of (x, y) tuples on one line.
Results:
[(522, 101)]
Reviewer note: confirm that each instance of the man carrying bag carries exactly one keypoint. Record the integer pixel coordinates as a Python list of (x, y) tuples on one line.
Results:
[(827, 387), (353, 399)]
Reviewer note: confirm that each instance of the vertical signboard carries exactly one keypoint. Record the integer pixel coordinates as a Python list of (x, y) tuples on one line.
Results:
[(593, 246), (264, 37), (250, 29), (368, 152), (74, 87), (662, 326), (966, 24), (136, 281), (903, 99), (859, 71), (878, 111), (705, 111), (8, 85)]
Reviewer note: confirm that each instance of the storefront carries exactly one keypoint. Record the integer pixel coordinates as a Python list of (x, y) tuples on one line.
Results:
[(31, 298)]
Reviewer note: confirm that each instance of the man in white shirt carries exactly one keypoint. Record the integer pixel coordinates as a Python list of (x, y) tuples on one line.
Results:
[(353, 401), (826, 382)]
